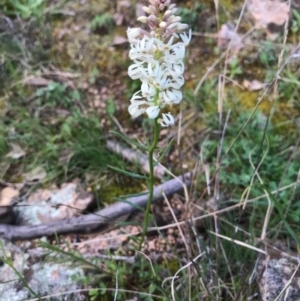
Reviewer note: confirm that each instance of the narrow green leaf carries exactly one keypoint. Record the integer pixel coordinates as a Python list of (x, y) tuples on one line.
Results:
[(287, 226), (124, 224), (18, 274), (129, 141), (132, 195), (137, 207), (165, 151), (130, 174), (72, 255)]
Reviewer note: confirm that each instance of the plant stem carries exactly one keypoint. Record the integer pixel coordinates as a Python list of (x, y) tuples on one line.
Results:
[(151, 179)]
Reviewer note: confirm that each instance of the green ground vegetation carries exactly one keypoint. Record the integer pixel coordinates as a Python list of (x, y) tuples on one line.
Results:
[(250, 151)]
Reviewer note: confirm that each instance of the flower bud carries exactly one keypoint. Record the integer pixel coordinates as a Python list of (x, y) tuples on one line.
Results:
[(143, 19), (147, 10), (153, 18), (162, 24), (182, 26), (152, 26), (133, 33), (154, 2), (172, 25), (167, 14), (153, 9), (174, 19)]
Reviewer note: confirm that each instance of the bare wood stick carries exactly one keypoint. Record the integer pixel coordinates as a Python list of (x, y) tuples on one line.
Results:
[(135, 156), (92, 222)]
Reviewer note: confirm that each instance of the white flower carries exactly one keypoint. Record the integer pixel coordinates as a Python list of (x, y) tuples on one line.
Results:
[(148, 90), (135, 111), (141, 51), (167, 119), (133, 34), (153, 111), (186, 39), (161, 83), (175, 69), (136, 71), (136, 101), (176, 54), (178, 68), (172, 96), (176, 82), (165, 47), (155, 71)]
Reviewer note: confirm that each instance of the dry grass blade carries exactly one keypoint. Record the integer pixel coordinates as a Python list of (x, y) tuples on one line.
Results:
[(239, 243)]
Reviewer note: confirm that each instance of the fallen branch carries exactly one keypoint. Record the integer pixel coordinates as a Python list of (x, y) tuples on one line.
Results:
[(95, 221), (135, 156)]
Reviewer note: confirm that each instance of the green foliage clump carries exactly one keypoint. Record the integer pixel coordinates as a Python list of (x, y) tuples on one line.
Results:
[(23, 8), (103, 22), (56, 94), (190, 16), (267, 150)]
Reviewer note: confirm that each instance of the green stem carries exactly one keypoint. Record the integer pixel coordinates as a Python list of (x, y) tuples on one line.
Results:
[(151, 179)]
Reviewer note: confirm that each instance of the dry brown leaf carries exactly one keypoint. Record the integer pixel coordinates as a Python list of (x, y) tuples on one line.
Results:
[(267, 12), (7, 196), (227, 37), (119, 40), (118, 18), (37, 81), (16, 153), (81, 201), (37, 174), (63, 74), (123, 3), (253, 85), (122, 9)]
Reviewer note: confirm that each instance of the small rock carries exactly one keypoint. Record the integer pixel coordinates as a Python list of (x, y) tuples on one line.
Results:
[(47, 205), (275, 271)]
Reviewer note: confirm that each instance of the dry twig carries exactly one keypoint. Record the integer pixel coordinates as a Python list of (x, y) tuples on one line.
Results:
[(92, 222)]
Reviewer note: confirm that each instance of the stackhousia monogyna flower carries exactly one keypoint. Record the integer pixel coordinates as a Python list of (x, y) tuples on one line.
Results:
[(158, 56)]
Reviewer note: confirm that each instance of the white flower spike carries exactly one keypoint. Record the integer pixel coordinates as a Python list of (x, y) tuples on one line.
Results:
[(158, 61)]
